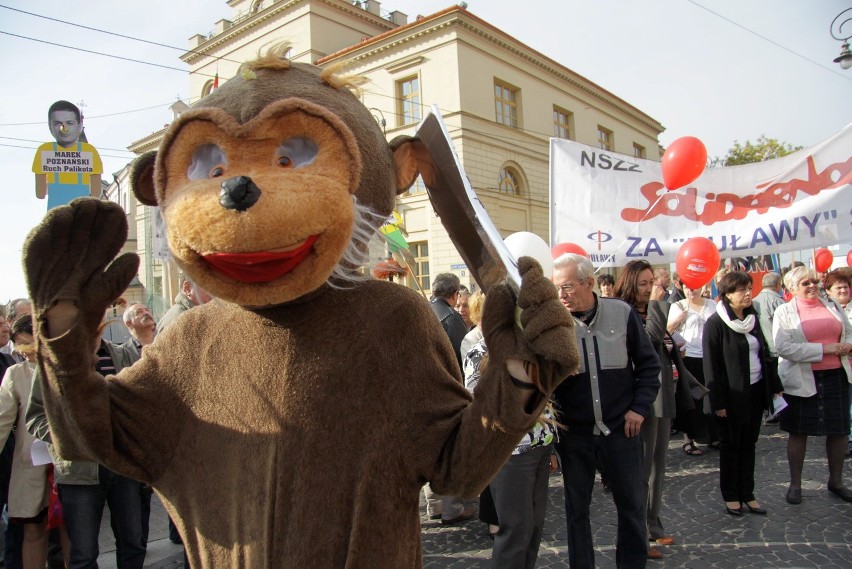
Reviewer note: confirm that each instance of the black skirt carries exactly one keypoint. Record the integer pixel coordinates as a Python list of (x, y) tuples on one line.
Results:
[(823, 414)]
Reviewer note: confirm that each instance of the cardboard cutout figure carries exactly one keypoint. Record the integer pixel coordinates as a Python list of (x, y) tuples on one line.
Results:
[(70, 167), (292, 422)]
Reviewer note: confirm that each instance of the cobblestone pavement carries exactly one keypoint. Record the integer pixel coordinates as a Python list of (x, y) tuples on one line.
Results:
[(816, 533)]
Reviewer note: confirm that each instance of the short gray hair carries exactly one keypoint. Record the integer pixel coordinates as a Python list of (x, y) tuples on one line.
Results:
[(445, 285), (130, 311), (13, 306), (771, 280), (585, 268), (796, 275)]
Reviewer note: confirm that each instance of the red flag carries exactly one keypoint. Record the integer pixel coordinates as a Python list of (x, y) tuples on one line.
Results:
[(216, 81)]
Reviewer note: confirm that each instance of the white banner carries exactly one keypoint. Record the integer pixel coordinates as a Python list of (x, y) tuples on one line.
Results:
[(616, 207)]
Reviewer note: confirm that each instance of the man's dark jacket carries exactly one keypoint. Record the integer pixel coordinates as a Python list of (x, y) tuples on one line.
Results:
[(453, 324)]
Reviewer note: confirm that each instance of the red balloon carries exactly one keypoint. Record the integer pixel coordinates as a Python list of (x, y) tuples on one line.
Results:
[(697, 262), (683, 161), (849, 259), (823, 258), (561, 248)]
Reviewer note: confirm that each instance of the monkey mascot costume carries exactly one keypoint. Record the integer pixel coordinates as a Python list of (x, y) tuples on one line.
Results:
[(292, 423)]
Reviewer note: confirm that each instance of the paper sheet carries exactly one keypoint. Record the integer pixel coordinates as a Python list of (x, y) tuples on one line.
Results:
[(778, 405), (471, 230), (39, 453)]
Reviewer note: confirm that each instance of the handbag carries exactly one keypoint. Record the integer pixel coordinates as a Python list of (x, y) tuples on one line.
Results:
[(686, 381)]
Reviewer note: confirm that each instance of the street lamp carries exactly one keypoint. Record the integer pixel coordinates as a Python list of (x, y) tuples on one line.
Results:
[(845, 57), (383, 123)]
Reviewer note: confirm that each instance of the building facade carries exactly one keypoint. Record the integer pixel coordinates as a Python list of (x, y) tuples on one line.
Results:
[(501, 101)]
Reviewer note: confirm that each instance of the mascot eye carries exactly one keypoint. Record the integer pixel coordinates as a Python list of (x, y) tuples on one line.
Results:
[(208, 161), (296, 152)]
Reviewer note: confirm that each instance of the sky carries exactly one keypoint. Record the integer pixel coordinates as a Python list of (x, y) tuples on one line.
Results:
[(747, 68)]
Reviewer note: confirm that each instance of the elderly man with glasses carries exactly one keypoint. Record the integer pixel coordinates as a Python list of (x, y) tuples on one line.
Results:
[(603, 408)]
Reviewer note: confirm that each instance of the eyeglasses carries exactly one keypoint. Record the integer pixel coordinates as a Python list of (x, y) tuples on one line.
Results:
[(568, 287), (809, 282)]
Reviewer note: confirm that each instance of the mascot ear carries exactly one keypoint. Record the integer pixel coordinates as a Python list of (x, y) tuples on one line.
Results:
[(142, 178), (411, 158)]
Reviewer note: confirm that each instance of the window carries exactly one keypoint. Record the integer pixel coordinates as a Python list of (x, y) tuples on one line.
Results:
[(508, 181), (420, 250), (408, 95), (207, 89), (506, 101), (563, 123), (417, 188), (638, 151), (605, 139)]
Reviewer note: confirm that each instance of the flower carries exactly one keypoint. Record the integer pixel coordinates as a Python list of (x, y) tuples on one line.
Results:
[(386, 270)]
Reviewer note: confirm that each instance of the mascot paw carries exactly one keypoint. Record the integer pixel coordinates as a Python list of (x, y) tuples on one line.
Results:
[(547, 331), (548, 328), (67, 258)]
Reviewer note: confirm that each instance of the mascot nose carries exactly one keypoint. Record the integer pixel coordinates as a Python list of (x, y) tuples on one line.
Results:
[(239, 193)]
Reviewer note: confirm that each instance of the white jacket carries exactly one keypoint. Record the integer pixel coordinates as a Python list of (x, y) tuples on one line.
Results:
[(28, 486), (795, 353)]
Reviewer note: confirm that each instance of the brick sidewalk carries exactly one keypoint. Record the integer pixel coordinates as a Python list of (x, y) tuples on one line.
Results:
[(817, 533)]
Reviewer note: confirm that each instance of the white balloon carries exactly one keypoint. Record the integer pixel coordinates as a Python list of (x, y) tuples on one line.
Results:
[(526, 244)]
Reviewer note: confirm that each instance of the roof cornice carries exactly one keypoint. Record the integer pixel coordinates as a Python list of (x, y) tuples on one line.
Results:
[(241, 27), (150, 142), (565, 74), (457, 16), (426, 22)]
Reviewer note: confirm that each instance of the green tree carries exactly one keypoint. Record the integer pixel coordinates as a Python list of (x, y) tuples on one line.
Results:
[(761, 149)]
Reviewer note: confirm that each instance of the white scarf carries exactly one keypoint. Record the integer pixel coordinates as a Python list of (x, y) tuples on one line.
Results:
[(741, 326)]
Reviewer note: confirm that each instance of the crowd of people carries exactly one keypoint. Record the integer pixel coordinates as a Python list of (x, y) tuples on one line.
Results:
[(53, 507), (658, 358)]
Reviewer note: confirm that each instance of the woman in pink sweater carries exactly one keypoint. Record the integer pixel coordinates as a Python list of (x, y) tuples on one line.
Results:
[(812, 338)]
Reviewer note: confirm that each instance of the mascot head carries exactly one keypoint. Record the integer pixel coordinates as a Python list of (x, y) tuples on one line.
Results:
[(263, 183)]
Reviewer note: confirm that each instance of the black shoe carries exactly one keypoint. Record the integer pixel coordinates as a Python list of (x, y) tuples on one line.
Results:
[(794, 495), (759, 511), (737, 512), (841, 491), (435, 517)]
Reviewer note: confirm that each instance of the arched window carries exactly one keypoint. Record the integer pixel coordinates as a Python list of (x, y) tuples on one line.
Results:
[(208, 87), (509, 181)]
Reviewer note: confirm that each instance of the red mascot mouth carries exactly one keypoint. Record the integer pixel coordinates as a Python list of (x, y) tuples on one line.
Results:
[(261, 266)]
